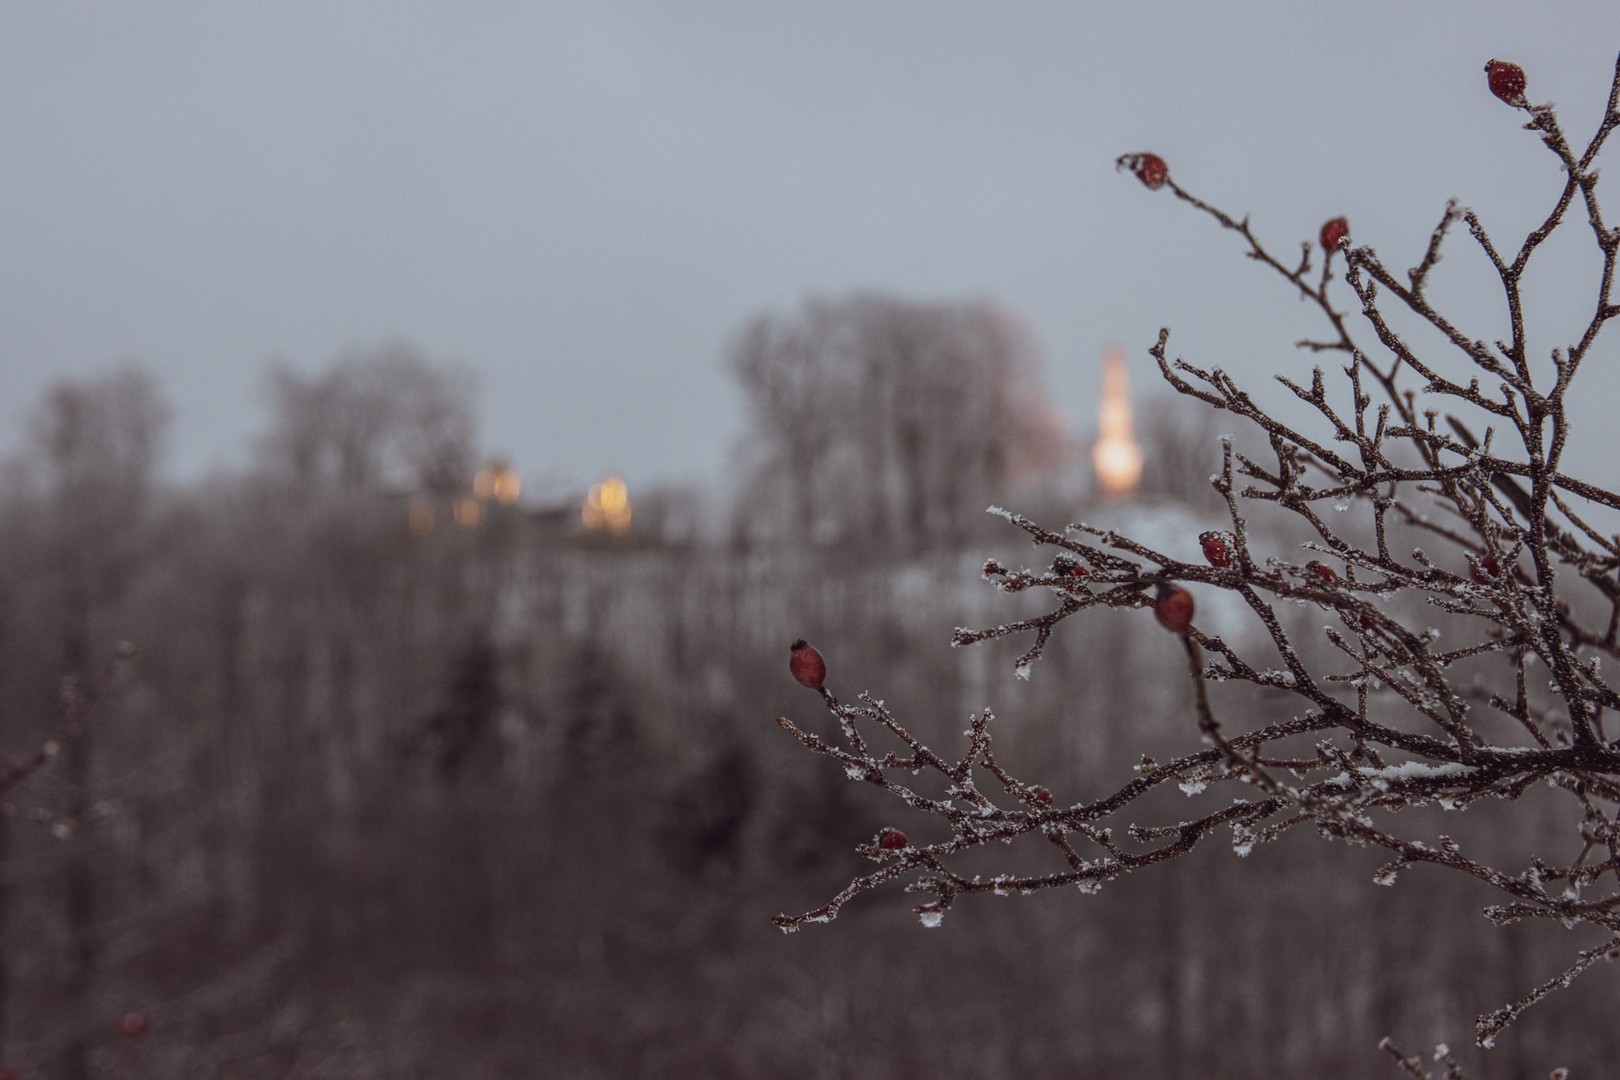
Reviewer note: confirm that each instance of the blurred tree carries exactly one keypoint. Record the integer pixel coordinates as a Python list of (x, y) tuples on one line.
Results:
[(887, 422), (99, 441), (381, 418), (1180, 444), (465, 718)]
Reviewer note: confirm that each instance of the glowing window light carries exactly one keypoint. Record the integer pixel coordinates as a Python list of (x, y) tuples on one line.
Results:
[(607, 507), (498, 481), (506, 485), (1117, 457), (469, 513)]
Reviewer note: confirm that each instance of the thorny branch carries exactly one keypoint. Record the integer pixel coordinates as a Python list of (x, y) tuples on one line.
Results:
[(1514, 550), (79, 699)]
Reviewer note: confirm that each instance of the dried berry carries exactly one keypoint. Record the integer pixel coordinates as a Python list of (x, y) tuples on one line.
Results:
[(1043, 796), (1173, 608), (1322, 570), (806, 664), (892, 840), (1065, 567), (1217, 547), (1506, 82), (1149, 168), (1333, 234), (134, 1025)]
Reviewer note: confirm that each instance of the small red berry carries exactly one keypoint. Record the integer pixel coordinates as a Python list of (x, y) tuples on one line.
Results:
[(1149, 168), (1487, 569), (1043, 796), (1217, 547), (806, 664), (1506, 81), (892, 840), (1173, 608), (1333, 234), (134, 1026), (10, 1074), (1322, 570)]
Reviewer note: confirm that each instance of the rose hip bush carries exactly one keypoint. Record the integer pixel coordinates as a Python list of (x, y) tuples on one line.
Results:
[(1396, 721)]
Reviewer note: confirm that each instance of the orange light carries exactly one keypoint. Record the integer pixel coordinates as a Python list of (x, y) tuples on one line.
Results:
[(607, 507), (506, 485), (469, 513), (1117, 457), (498, 481)]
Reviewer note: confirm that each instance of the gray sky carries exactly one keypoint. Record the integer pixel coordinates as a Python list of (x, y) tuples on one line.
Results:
[(584, 202)]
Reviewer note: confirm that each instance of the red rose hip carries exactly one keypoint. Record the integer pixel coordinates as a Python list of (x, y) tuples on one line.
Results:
[(806, 664), (1487, 569), (1173, 608), (892, 840), (1333, 234), (1148, 168), (1506, 81), (1217, 547)]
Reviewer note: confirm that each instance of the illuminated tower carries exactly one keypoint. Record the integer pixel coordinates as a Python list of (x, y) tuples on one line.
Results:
[(1117, 458)]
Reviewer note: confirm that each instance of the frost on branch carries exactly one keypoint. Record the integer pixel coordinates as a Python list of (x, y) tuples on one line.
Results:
[(1464, 449)]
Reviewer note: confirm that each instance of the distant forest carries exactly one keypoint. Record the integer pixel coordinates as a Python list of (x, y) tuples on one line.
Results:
[(384, 788)]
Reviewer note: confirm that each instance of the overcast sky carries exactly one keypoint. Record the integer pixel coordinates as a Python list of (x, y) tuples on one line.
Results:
[(583, 203)]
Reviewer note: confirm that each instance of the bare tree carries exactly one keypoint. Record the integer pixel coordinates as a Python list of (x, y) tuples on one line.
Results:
[(376, 418), (1386, 720), (889, 422), (100, 441)]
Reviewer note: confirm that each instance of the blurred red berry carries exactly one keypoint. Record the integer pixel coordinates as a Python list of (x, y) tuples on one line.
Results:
[(1487, 569), (1506, 81), (10, 1074), (1333, 234), (892, 840), (1173, 608), (1217, 547), (1149, 168), (134, 1026), (1043, 796), (1322, 570), (806, 664)]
